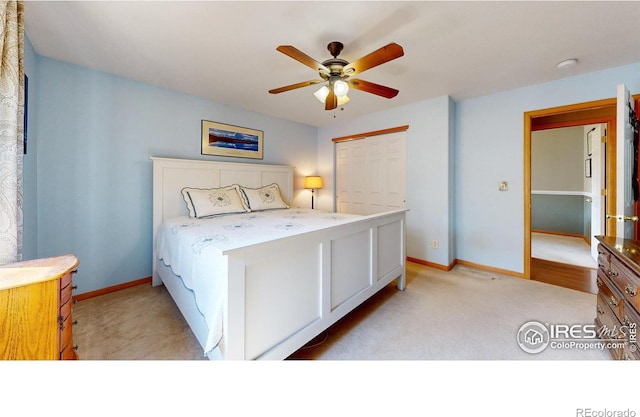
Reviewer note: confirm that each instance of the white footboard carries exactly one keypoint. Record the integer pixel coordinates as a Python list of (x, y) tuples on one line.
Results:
[(282, 293)]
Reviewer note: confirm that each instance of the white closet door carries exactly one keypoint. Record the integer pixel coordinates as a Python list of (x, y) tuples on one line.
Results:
[(371, 174)]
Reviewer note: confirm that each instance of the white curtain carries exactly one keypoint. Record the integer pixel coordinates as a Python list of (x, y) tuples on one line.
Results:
[(11, 129)]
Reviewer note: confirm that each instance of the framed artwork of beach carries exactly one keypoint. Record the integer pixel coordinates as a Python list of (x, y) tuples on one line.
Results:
[(228, 140)]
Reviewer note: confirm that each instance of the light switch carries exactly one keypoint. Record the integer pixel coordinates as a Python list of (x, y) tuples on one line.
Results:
[(503, 186)]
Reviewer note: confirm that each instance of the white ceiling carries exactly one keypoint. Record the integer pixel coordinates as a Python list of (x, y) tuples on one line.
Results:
[(226, 51)]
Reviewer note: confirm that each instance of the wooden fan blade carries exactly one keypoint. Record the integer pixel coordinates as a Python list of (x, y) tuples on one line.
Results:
[(332, 100), (294, 86), (373, 88), (302, 57), (375, 58)]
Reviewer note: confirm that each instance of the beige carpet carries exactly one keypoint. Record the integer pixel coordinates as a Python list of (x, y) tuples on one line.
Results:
[(463, 314), (564, 249)]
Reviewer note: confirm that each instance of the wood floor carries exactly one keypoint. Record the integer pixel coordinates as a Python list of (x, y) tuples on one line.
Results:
[(563, 275)]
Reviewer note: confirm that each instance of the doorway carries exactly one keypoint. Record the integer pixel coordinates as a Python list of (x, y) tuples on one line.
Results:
[(566, 200), (596, 112)]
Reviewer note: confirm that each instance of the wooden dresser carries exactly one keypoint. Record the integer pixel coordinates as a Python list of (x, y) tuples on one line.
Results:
[(35, 309), (618, 302)]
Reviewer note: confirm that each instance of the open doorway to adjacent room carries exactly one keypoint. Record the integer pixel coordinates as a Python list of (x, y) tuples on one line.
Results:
[(566, 199), (567, 169)]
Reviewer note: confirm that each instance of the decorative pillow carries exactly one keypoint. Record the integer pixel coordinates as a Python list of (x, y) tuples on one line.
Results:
[(214, 201), (264, 198)]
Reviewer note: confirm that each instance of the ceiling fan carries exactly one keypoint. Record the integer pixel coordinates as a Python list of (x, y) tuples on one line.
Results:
[(337, 72)]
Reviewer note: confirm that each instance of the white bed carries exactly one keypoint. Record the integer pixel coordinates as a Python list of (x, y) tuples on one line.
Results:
[(270, 292)]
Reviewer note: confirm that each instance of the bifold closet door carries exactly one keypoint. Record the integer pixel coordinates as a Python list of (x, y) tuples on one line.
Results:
[(371, 174)]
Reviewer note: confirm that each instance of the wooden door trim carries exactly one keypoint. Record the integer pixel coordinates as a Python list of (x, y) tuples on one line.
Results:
[(579, 114), (372, 133)]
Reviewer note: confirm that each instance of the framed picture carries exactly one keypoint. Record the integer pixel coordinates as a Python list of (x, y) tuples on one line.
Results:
[(587, 168), (590, 141), (26, 113), (227, 140)]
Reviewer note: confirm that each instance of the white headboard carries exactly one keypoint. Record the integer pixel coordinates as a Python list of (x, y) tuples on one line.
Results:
[(170, 176)]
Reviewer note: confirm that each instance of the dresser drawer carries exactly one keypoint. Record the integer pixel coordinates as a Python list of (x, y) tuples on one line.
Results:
[(626, 281), (68, 353), (604, 258), (65, 318), (65, 310), (66, 279), (65, 294), (608, 327), (65, 333), (611, 296)]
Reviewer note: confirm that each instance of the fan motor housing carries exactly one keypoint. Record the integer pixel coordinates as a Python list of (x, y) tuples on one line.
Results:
[(335, 66)]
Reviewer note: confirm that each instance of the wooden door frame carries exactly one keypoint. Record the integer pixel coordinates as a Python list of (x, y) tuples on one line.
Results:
[(594, 112)]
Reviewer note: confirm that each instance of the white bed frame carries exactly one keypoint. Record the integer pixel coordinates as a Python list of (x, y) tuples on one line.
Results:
[(279, 294)]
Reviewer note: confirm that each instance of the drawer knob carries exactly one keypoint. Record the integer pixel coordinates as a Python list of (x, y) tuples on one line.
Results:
[(74, 287), (613, 301), (613, 273), (629, 289), (75, 271), (600, 310), (599, 282)]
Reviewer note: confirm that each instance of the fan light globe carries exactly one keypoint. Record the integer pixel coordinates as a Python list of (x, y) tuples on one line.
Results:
[(340, 88), (322, 93), (343, 100)]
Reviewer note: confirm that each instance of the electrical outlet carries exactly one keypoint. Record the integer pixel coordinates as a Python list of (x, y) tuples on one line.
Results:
[(434, 244), (503, 186)]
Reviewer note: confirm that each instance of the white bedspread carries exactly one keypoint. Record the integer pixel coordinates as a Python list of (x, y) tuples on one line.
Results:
[(194, 249)]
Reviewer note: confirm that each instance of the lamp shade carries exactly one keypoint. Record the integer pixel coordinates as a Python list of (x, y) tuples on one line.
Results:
[(322, 93), (340, 88), (313, 182)]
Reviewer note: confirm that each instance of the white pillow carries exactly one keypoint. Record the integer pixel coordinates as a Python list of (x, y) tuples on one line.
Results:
[(264, 198), (214, 201)]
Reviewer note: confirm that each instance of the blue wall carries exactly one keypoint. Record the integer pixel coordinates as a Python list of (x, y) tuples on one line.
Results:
[(564, 214), (429, 171), (96, 133), (489, 148)]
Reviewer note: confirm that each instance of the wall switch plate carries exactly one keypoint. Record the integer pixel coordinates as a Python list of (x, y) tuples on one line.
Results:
[(434, 244), (503, 186)]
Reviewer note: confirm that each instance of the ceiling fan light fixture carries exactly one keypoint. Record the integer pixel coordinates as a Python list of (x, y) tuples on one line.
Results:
[(322, 94), (340, 88), (335, 71), (343, 100)]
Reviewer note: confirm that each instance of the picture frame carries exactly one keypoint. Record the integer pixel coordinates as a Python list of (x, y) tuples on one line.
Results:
[(220, 139), (26, 114), (587, 168), (590, 141)]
